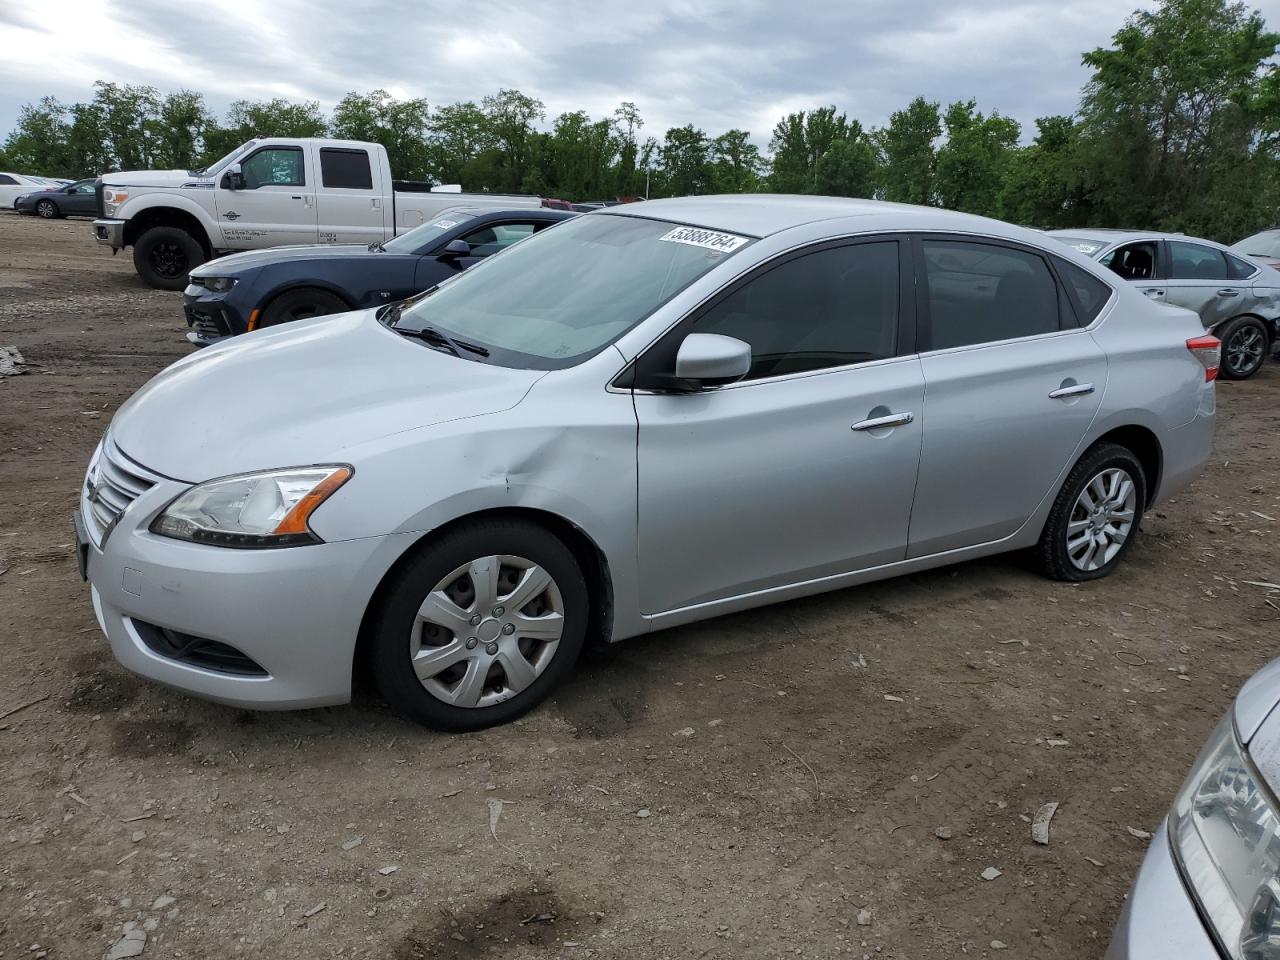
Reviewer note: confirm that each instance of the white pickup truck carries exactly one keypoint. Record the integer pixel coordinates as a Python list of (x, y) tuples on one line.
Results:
[(267, 193)]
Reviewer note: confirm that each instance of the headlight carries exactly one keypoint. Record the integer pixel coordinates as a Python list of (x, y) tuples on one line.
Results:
[(112, 198), (268, 509), (1226, 834), (218, 284)]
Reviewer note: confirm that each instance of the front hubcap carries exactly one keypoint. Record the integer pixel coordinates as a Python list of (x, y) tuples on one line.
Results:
[(1245, 349), (1101, 519), (486, 631)]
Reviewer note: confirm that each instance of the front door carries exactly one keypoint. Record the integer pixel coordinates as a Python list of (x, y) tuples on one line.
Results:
[(277, 205), (1142, 264), (804, 469), (1012, 384)]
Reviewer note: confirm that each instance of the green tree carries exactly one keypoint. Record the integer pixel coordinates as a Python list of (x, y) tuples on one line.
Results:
[(459, 135), (510, 116), (800, 143), (684, 162), (907, 156), (39, 141), (399, 125), (178, 130), (971, 165), (247, 119), (849, 167), (1044, 186), (736, 164)]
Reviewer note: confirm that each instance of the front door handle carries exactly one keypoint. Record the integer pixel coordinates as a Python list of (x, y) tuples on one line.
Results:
[(879, 423), (1075, 390), (1228, 292), (1154, 292)]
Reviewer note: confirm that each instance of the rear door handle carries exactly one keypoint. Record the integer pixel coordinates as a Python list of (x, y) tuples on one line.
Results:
[(1154, 292), (1227, 292), (879, 423), (1075, 390)]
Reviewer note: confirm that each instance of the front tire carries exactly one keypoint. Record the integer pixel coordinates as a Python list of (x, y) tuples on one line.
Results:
[(301, 304), (165, 256), (1244, 347), (1096, 515), (480, 626), (47, 209)]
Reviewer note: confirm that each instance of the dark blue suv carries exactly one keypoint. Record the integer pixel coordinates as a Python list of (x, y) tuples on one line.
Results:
[(261, 288)]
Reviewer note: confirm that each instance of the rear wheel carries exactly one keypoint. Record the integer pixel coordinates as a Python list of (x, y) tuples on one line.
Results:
[(1095, 516), (1244, 347), (47, 209), (300, 304), (164, 256), (481, 626)]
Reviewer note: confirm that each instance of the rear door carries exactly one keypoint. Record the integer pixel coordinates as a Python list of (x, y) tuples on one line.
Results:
[(277, 205), (349, 198), (1012, 383), (1199, 280), (805, 468)]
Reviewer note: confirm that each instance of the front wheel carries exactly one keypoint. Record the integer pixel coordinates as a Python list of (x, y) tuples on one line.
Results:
[(1244, 347), (480, 626), (1095, 517), (301, 304), (164, 256), (47, 209)]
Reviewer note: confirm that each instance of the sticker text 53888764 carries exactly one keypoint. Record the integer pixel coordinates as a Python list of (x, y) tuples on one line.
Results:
[(711, 239)]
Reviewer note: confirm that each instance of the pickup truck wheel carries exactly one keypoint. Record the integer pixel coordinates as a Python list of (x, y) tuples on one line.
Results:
[(164, 256), (300, 304), (47, 209)]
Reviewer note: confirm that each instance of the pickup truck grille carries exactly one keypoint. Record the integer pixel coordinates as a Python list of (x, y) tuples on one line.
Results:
[(113, 483)]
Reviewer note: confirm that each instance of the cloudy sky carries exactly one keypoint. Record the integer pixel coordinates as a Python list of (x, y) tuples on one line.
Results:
[(715, 63)]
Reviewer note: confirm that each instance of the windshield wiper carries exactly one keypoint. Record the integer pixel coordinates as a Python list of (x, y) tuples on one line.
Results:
[(438, 338)]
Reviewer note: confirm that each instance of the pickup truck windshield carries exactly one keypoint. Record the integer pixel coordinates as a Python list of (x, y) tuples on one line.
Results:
[(564, 294), (216, 169), (422, 235)]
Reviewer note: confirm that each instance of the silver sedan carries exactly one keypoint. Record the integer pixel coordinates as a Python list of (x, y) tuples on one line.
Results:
[(1211, 877), (1237, 298), (647, 416)]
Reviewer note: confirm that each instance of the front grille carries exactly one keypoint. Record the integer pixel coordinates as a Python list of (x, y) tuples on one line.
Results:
[(114, 482), (197, 651), (208, 326)]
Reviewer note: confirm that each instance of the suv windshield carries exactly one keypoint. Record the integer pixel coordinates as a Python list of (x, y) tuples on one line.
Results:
[(564, 294), (214, 170), (423, 234)]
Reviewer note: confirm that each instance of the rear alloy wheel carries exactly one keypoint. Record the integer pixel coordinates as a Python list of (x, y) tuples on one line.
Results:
[(1244, 347), (299, 305), (481, 626), (1095, 516), (47, 209)]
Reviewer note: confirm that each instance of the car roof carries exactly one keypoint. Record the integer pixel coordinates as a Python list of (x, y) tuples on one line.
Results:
[(484, 214), (759, 214)]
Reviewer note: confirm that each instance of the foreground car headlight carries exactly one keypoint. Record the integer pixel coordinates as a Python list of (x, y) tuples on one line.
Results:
[(1225, 831), (112, 198), (268, 509), (218, 284)]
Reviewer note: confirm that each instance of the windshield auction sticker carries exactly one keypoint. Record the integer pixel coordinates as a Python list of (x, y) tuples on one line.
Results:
[(710, 239)]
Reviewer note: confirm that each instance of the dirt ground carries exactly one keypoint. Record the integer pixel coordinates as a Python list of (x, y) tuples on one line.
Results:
[(795, 806)]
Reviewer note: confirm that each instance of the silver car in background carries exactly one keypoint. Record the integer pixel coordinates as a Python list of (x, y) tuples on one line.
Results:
[(1209, 887), (651, 415), (1237, 298)]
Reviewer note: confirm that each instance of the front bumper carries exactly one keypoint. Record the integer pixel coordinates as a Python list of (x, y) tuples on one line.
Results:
[(109, 232), (294, 612), (210, 316), (1159, 921)]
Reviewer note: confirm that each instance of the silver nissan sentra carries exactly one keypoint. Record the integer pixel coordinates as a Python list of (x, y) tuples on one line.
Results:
[(647, 416)]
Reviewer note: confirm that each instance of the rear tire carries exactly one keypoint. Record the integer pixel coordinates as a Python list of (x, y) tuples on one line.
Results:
[(48, 210), (1095, 517), (439, 621), (1245, 345), (165, 256), (301, 304)]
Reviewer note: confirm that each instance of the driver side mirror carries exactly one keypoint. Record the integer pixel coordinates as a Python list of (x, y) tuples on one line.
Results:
[(233, 179), (455, 249), (712, 360)]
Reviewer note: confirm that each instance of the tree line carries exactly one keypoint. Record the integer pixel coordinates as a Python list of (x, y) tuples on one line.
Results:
[(1178, 128)]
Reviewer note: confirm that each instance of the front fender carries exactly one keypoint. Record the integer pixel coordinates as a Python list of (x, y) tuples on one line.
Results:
[(135, 206)]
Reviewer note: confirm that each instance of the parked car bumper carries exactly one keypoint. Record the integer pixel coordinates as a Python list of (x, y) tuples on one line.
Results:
[(25, 204), (1159, 920), (210, 316), (109, 232)]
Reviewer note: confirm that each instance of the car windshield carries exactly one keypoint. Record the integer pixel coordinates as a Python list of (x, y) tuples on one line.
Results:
[(423, 234), (564, 294), (216, 169), (1265, 244), (1087, 247)]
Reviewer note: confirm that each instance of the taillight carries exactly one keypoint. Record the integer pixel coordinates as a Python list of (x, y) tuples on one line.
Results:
[(1208, 350)]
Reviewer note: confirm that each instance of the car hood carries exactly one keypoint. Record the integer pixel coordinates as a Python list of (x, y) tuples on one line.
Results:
[(253, 259), (152, 178), (305, 393)]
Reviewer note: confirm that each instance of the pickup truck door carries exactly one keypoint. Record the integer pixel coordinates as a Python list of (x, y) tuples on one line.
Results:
[(277, 205), (350, 195)]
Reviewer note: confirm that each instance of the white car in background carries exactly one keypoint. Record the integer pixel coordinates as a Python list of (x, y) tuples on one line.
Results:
[(14, 185)]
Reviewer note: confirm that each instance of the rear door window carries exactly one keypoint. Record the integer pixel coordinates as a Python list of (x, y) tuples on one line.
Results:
[(345, 169), (1192, 261), (982, 293)]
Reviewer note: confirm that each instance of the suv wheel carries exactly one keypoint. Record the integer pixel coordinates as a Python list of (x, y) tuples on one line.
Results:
[(1096, 515), (480, 626)]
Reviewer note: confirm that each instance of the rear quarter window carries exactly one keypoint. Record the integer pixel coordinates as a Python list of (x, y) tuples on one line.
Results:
[(1091, 293)]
